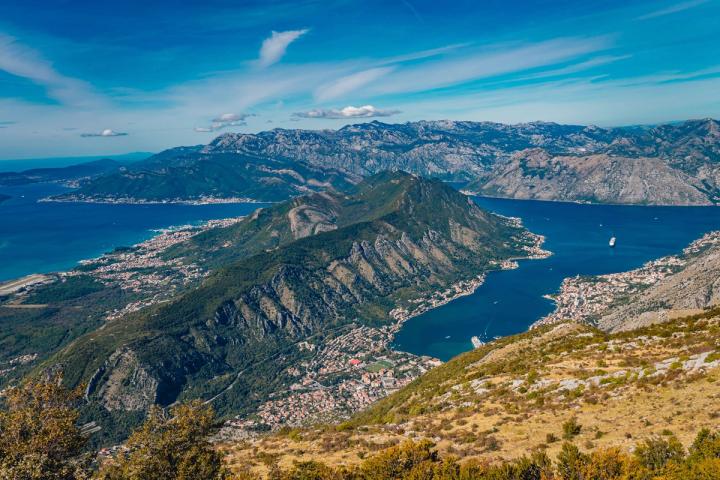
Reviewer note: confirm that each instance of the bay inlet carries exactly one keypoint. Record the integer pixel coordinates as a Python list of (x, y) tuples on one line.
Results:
[(509, 301)]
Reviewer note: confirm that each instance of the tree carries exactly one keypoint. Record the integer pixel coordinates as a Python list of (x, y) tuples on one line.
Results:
[(609, 464), (39, 436), (407, 459), (571, 462), (654, 453), (169, 446)]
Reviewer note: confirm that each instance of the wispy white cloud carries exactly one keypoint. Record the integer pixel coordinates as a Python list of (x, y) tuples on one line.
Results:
[(349, 83), (422, 54), (226, 120), (678, 7), (105, 133), (22, 61), (274, 47), (366, 111), (498, 60), (576, 67)]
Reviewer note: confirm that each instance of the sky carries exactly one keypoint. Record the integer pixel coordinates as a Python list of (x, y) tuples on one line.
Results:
[(96, 77)]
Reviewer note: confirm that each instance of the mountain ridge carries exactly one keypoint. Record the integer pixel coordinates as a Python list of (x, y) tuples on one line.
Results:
[(382, 246), (487, 155)]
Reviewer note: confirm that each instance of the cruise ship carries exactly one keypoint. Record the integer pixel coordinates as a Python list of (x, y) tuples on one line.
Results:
[(612, 242)]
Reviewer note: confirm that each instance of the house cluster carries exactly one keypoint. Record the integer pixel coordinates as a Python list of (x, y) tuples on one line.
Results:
[(585, 298), (342, 376), (142, 270)]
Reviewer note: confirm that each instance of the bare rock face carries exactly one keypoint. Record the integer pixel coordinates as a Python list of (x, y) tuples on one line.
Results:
[(126, 384), (535, 174)]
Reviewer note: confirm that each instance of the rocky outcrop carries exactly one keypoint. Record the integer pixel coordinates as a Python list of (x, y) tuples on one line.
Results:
[(602, 178)]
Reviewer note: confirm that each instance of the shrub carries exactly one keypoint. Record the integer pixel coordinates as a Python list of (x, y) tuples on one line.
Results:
[(654, 453), (169, 446), (571, 428)]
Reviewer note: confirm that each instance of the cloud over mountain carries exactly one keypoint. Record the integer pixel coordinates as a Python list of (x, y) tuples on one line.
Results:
[(226, 120), (366, 111), (105, 133)]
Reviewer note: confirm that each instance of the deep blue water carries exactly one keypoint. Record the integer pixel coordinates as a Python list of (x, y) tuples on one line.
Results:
[(45, 237), (509, 301), (56, 162)]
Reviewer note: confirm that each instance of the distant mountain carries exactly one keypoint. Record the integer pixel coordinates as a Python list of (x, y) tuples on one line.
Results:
[(69, 174), (677, 164), (452, 150), (301, 269), (186, 174), (601, 178)]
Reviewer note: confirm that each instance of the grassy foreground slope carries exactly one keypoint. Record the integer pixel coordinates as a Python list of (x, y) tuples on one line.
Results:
[(527, 392)]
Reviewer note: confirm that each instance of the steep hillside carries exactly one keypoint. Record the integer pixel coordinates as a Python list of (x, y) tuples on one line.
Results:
[(329, 264), (601, 178), (531, 392)]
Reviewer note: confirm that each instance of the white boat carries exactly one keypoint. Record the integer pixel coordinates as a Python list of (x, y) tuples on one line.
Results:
[(612, 242), (477, 343)]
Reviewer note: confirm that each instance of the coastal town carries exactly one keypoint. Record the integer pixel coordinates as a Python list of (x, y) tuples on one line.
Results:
[(342, 376), (585, 299), (142, 270)]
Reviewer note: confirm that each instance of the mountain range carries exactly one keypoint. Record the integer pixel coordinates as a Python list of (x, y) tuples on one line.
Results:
[(673, 164), (69, 175)]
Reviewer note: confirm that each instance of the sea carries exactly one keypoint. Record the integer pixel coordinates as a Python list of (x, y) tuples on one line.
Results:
[(577, 234), (39, 237), (42, 237)]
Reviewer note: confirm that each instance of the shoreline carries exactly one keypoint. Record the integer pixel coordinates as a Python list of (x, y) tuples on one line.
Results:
[(296, 406), (471, 193), (464, 288), (135, 201)]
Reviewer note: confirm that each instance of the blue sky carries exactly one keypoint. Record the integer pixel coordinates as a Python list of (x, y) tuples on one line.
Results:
[(84, 78)]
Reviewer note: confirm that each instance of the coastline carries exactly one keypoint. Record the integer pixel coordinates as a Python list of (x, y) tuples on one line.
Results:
[(586, 299), (471, 193), (308, 401), (136, 201)]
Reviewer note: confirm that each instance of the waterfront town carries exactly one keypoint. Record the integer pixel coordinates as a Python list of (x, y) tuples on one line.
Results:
[(143, 271), (339, 376), (342, 376), (585, 299)]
